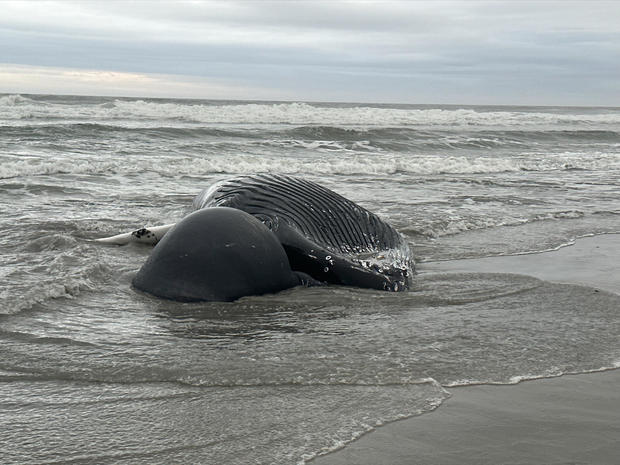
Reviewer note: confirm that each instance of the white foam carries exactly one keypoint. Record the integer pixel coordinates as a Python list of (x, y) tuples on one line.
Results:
[(548, 374), (136, 112), (38, 167), (40, 294), (362, 428), (351, 164)]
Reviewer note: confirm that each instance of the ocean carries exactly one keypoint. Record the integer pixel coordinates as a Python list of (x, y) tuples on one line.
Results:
[(92, 371)]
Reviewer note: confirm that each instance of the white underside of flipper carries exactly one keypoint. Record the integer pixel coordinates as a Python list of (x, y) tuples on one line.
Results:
[(150, 235)]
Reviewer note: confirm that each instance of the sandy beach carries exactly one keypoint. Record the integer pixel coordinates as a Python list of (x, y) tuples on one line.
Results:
[(572, 419)]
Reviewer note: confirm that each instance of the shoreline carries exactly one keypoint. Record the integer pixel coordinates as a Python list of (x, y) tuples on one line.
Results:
[(587, 262), (569, 419)]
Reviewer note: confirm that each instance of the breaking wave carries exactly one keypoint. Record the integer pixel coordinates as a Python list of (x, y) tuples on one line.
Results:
[(17, 107), (371, 164)]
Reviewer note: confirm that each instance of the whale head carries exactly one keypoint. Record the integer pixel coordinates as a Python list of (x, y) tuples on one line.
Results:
[(216, 254)]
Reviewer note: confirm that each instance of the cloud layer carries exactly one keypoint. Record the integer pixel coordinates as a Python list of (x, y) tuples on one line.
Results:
[(408, 52)]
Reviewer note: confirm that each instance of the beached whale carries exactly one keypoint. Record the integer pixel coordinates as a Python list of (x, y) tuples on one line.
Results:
[(219, 254)]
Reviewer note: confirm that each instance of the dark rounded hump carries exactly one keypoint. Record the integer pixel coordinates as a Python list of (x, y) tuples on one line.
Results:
[(216, 254)]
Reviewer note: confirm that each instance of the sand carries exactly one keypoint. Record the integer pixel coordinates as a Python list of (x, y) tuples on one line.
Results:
[(591, 261), (572, 419)]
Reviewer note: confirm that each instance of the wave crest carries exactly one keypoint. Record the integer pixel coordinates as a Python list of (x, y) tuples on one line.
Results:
[(351, 164), (16, 107)]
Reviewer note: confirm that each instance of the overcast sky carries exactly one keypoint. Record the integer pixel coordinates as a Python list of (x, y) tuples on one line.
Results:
[(502, 52)]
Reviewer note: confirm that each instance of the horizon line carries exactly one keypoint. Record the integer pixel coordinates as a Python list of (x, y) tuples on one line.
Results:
[(309, 101)]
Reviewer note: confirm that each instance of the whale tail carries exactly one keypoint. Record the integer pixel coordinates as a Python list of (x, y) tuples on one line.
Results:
[(147, 235)]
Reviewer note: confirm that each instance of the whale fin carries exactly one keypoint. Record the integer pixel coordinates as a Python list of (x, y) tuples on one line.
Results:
[(148, 235)]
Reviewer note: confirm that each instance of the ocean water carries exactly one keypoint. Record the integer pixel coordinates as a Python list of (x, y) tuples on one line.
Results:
[(93, 372)]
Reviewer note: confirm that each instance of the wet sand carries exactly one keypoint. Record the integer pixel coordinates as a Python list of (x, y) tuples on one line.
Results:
[(591, 261), (572, 419)]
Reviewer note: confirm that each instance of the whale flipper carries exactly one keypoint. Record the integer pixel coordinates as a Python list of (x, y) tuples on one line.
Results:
[(150, 235)]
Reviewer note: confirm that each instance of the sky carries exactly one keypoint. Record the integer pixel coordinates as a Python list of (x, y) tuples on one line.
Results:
[(462, 52)]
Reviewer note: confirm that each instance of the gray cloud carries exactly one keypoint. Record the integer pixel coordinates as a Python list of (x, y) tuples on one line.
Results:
[(427, 52)]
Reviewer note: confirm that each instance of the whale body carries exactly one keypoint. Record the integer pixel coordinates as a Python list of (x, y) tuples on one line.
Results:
[(324, 234), (308, 234)]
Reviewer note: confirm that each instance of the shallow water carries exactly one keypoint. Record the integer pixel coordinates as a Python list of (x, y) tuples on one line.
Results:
[(93, 372)]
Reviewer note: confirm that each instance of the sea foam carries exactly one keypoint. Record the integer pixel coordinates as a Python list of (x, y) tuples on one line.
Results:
[(354, 164), (18, 107)]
